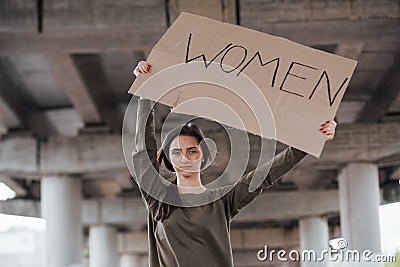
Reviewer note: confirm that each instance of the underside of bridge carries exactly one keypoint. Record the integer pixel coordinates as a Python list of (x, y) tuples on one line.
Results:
[(66, 67)]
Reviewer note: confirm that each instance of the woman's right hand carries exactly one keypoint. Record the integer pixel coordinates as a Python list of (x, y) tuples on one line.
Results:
[(142, 67)]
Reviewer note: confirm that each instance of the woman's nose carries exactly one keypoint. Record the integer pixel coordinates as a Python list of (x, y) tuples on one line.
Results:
[(183, 158)]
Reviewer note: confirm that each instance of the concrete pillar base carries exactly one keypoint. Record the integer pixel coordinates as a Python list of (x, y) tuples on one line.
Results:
[(133, 260), (102, 246), (61, 208), (314, 236), (359, 208)]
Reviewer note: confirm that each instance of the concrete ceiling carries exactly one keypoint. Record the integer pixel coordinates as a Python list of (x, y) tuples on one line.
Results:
[(66, 66)]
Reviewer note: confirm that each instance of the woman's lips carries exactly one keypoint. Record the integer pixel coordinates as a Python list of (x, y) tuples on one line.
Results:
[(185, 167)]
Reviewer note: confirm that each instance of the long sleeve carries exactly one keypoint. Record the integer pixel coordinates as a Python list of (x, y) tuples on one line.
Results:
[(145, 140), (282, 163), (145, 154)]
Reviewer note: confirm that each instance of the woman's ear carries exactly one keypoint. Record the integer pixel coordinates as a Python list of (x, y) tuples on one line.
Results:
[(202, 156)]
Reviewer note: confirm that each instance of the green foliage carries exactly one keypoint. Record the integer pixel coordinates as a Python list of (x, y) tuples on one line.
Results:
[(394, 264)]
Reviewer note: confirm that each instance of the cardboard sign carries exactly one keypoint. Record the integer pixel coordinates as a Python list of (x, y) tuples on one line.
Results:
[(302, 86)]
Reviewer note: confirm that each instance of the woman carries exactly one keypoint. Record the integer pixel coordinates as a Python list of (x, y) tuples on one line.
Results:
[(194, 236)]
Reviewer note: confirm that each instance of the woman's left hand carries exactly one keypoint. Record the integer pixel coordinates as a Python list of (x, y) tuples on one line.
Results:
[(328, 129)]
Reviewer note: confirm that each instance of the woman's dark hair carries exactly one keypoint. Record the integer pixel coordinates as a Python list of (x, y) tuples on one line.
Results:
[(188, 129)]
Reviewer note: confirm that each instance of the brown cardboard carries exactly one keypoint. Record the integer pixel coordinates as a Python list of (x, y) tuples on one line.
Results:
[(296, 88)]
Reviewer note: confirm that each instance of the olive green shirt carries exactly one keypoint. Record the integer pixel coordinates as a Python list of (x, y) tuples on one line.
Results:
[(195, 236)]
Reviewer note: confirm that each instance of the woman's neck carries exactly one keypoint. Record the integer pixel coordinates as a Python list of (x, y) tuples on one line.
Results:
[(190, 184)]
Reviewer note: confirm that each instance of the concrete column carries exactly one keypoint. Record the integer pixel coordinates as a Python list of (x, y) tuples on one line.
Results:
[(61, 208), (359, 203), (132, 260), (314, 235), (103, 246)]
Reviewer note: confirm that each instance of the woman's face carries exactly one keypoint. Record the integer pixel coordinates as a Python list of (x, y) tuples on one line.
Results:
[(185, 155)]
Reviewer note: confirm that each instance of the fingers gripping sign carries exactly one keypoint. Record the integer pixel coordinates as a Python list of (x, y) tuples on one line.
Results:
[(328, 129), (142, 67)]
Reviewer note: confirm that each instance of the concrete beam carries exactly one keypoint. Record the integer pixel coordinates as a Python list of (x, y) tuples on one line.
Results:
[(395, 106), (21, 207), (3, 129), (297, 11), (377, 106), (98, 72), (13, 185), (8, 118), (70, 81), (18, 155), (361, 143), (13, 93), (66, 121), (224, 10), (62, 15), (249, 259), (103, 153), (130, 212), (330, 32), (257, 238), (270, 206), (143, 38), (134, 242), (395, 174), (82, 154), (80, 41), (290, 205), (348, 111), (350, 50), (389, 161), (18, 16), (241, 239), (101, 187)]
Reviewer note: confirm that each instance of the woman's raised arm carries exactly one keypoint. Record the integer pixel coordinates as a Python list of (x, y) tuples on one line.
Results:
[(272, 171), (144, 156)]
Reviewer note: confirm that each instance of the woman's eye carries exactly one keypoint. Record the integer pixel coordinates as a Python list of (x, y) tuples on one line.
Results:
[(193, 152)]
